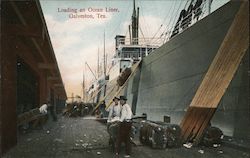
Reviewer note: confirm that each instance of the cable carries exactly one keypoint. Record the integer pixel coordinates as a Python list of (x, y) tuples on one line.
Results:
[(144, 21), (171, 17), (121, 19), (167, 14), (174, 18), (142, 32)]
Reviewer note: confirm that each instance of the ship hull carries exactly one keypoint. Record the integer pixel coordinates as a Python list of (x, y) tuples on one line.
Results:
[(169, 77)]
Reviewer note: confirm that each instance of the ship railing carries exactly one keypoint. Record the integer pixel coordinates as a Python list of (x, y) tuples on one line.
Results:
[(188, 20), (157, 42), (136, 54)]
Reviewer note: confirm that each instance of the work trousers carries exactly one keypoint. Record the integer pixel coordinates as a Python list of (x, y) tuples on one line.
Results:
[(124, 136)]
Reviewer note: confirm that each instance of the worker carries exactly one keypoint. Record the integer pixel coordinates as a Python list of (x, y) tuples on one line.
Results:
[(124, 128), (113, 121), (43, 109), (102, 109), (114, 110)]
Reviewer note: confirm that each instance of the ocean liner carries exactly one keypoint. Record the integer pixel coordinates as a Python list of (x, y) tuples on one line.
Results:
[(165, 76)]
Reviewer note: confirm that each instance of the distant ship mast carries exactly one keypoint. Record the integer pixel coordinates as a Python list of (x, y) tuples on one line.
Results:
[(135, 26)]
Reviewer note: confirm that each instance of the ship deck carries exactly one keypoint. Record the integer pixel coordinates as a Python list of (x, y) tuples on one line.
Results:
[(85, 137)]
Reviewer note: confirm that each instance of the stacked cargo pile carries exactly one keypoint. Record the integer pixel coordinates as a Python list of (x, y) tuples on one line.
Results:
[(160, 134), (31, 119), (77, 109)]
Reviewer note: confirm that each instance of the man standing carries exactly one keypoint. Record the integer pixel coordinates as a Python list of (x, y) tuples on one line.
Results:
[(125, 127)]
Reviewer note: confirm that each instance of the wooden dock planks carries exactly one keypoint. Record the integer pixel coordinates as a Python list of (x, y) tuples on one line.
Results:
[(218, 77)]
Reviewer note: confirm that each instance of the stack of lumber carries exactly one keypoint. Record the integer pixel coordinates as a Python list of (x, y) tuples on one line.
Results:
[(218, 77)]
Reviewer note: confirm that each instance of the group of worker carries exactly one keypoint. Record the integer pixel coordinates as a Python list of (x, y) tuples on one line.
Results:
[(120, 114)]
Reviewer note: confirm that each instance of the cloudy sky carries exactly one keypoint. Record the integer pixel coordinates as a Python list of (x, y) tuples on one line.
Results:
[(77, 27)]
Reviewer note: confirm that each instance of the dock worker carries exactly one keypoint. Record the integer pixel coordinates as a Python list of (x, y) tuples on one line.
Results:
[(113, 121), (48, 106), (43, 109), (102, 109), (125, 128), (114, 110)]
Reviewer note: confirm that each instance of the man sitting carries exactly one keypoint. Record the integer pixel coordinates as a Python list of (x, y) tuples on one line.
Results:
[(114, 111), (113, 121)]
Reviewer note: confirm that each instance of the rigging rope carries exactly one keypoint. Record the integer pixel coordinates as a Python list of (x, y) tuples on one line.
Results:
[(176, 15), (165, 18)]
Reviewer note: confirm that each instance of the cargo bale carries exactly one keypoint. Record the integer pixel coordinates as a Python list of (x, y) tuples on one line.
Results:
[(123, 76), (152, 134), (212, 135), (173, 133)]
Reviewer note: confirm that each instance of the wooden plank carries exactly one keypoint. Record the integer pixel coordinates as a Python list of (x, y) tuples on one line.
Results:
[(204, 125), (225, 63), (218, 77), (189, 119), (197, 115), (134, 68), (95, 94)]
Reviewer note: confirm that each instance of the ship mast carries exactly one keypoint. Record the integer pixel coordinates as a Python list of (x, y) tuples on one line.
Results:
[(104, 56), (135, 25), (83, 87), (98, 64)]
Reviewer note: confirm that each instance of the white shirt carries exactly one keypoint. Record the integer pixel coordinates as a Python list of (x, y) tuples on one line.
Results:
[(43, 109), (114, 111), (126, 112)]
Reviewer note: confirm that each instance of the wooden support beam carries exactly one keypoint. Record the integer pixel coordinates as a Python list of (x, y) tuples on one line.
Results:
[(38, 47), (218, 77), (22, 19), (53, 78), (46, 66), (22, 15), (58, 85), (21, 30)]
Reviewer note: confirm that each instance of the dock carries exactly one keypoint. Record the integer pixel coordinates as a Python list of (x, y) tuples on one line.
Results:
[(88, 138)]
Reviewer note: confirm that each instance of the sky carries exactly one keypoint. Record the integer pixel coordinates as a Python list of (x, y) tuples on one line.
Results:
[(76, 29)]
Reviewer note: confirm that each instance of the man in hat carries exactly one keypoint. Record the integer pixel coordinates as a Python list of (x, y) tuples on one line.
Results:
[(125, 127), (113, 121), (114, 110)]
